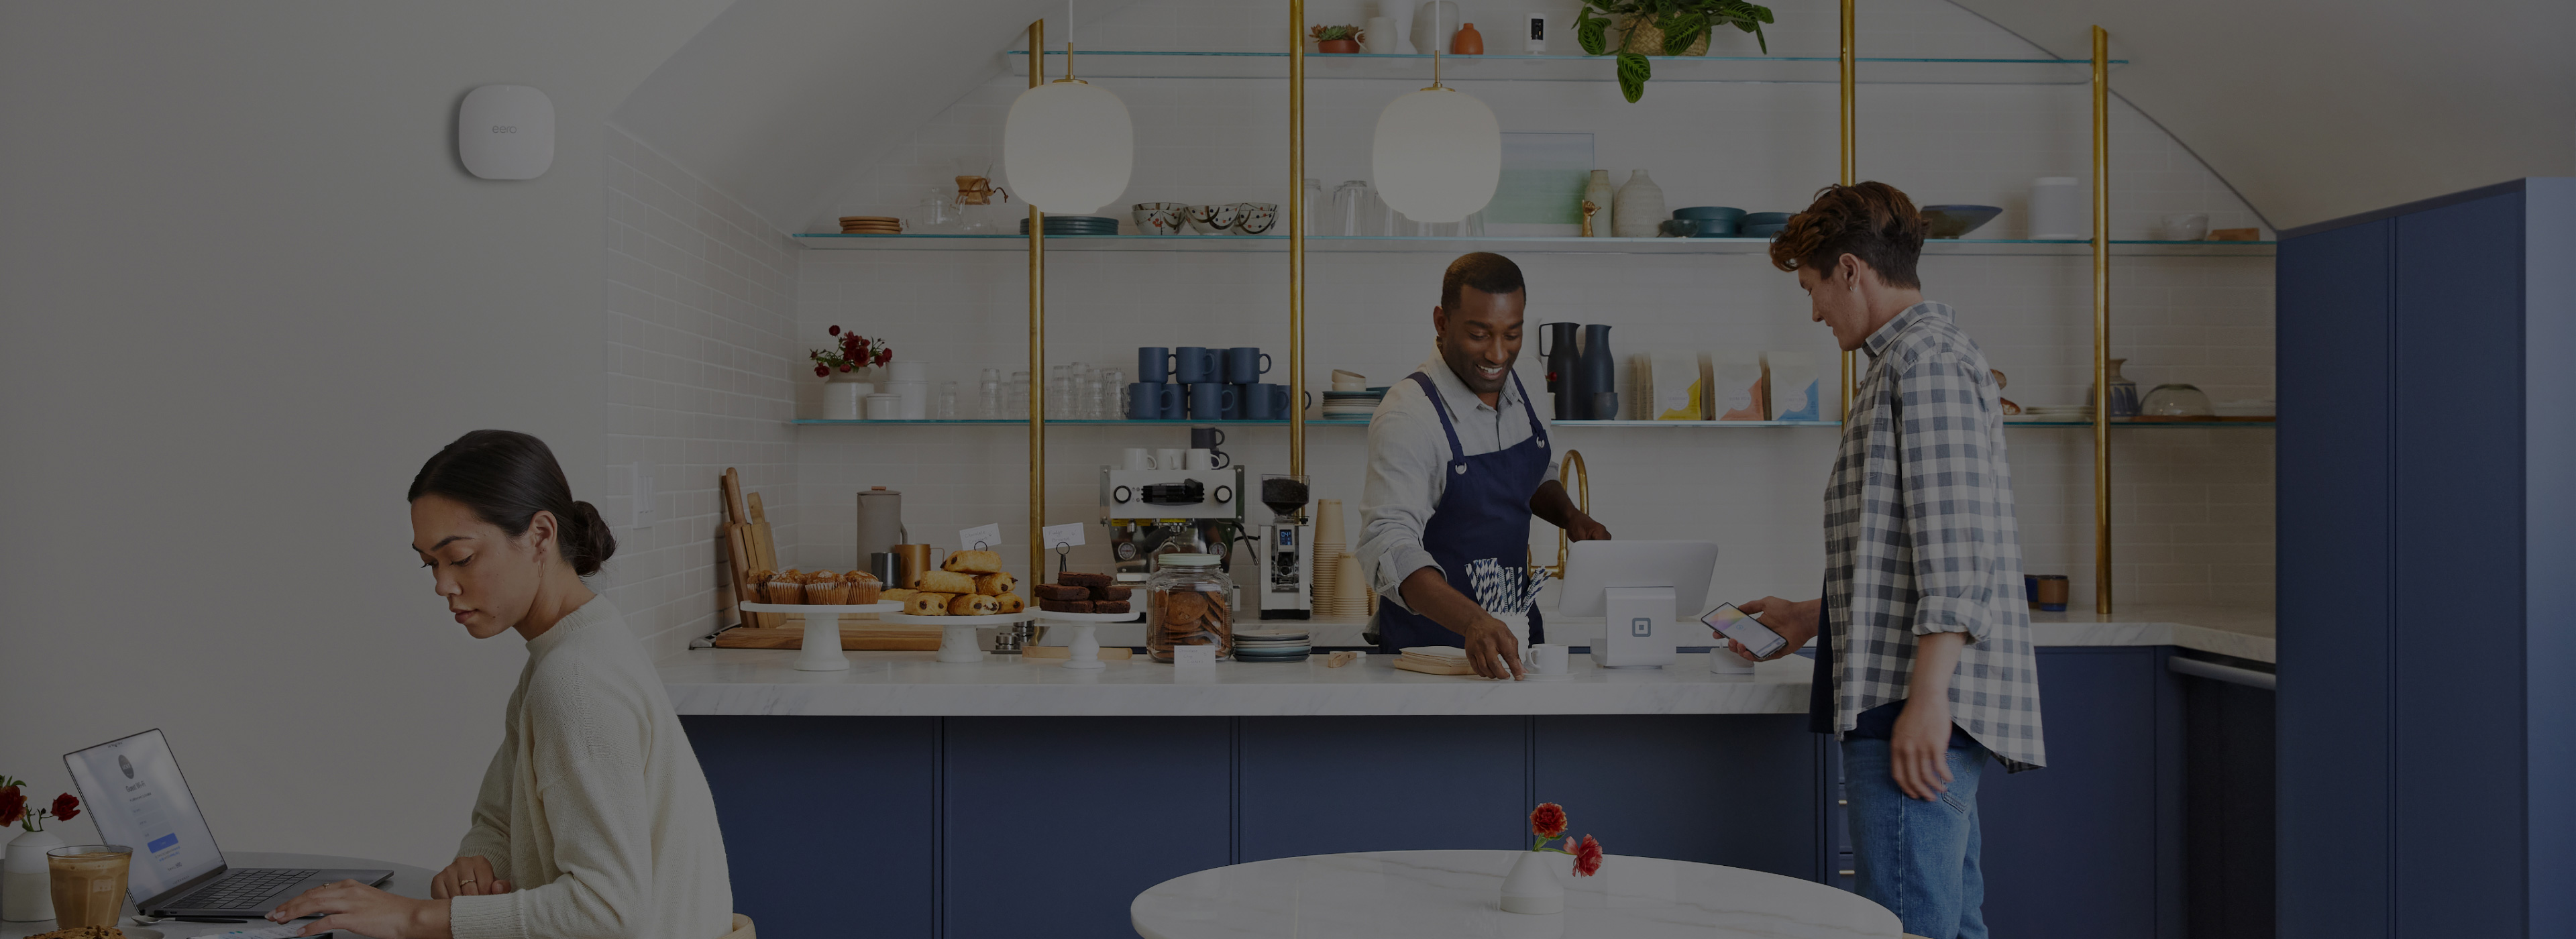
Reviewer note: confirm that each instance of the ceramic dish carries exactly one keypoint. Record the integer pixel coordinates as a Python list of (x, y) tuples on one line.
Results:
[(1953, 221), (1765, 218), (1677, 227), (1761, 231), (1717, 228), (1724, 213)]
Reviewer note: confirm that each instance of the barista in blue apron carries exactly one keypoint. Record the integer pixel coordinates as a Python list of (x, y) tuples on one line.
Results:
[(1446, 521)]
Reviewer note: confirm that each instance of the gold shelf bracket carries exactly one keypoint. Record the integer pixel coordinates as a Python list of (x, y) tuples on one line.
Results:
[(1037, 335), (2101, 321), (1296, 237)]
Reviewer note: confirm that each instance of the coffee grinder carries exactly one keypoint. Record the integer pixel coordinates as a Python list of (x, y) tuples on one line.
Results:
[(1286, 582)]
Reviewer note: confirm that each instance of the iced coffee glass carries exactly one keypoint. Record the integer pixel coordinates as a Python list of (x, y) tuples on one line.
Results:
[(89, 883)]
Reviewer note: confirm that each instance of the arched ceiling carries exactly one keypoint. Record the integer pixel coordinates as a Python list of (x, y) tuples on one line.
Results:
[(2315, 110), (2312, 110)]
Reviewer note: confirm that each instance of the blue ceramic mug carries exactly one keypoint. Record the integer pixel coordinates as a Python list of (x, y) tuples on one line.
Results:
[(1242, 401), (1270, 402), (1153, 364), (1175, 403), (1244, 365), (1196, 365), (1209, 401), (1147, 400)]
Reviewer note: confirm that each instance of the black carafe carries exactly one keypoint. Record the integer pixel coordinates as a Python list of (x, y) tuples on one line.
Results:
[(1595, 371), (1556, 345)]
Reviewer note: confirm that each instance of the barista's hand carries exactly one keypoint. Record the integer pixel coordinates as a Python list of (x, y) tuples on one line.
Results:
[(1795, 621), (1492, 650), (1581, 527)]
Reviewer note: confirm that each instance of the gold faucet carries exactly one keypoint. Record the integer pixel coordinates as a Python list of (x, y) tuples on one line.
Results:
[(1574, 467)]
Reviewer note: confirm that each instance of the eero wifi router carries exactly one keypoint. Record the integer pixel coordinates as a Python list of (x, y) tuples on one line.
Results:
[(506, 132)]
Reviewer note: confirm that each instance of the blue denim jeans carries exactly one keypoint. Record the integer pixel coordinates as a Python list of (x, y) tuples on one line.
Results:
[(1917, 858)]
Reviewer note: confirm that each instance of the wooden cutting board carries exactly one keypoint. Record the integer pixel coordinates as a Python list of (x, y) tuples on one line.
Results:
[(764, 549), (738, 548), (853, 639)]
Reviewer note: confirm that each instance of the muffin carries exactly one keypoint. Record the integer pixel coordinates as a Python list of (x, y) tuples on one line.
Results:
[(785, 587), (864, 587), (826, 588)]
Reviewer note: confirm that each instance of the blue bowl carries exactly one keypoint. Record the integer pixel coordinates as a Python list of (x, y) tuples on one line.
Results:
[(1717, 228), (1679, 227), (1766, 218), (1720, 212), (1953, 221), (1762, 231)]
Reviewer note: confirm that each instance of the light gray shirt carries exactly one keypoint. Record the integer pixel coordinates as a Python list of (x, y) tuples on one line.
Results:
[(1407, 462)]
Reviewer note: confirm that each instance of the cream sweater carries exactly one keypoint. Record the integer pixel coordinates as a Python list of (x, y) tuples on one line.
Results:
[(595, 810)]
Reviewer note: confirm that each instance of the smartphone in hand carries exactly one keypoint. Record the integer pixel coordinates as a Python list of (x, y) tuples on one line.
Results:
[(1758, 640)]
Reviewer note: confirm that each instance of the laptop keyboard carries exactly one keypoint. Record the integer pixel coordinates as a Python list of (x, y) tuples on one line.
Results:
[(243, 890)]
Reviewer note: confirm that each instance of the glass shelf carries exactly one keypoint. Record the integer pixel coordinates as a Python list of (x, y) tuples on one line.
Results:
[(1416, 68), (1362, 423), (997, 422), (1337, 244)]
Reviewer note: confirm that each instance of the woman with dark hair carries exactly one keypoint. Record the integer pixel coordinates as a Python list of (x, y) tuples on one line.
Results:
[(594, 819)]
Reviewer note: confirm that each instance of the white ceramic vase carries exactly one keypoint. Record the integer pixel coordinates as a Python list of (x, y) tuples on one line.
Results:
[(1641, 208), (26, 882), (1433, 22), (1599, 193), (1534, 886), (841, 399)]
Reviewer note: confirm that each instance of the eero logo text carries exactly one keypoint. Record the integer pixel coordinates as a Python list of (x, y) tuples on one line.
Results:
[(505, 129)]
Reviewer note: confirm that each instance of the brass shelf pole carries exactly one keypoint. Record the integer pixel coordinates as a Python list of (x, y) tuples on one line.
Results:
[(2101, 321), (1851, 372), (1037, 340), (1296, 237)]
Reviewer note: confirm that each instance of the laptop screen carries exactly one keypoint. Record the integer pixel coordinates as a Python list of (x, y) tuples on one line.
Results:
[(133, 790)]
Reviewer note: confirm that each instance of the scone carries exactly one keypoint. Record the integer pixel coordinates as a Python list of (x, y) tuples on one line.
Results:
[(1010, 603), (864, 587), (945, 582), (973, 604), (994, 585), (926, 603), (973, 562)]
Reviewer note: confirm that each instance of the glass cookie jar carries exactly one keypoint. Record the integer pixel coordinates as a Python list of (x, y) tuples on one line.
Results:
[(1185, 606)]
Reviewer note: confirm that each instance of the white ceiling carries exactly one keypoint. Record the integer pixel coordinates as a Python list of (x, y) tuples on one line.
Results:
[(2311, 110)]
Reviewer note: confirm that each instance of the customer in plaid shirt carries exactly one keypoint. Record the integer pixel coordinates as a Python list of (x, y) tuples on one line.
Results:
[(1926, 667)]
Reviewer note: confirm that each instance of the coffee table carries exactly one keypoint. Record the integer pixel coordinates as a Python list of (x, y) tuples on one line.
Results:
[(407, 881), (1439, 894)]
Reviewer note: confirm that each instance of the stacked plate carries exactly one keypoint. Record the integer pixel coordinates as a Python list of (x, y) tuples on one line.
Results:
[(1271, 645), (871, 225), (1076, 225), (2054, 413), (1352, 405)]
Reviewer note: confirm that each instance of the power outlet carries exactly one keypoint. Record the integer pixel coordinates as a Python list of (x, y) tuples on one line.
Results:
[(639, 487)]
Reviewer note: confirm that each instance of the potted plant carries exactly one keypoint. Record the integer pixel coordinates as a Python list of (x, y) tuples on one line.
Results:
[(1337, 39), (1661, 27)]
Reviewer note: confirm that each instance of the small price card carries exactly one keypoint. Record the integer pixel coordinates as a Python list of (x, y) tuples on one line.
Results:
[(1058, 536), (979, 538), (1194, 655)]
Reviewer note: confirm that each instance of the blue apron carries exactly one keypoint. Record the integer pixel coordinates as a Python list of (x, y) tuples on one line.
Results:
[(1479, 533)]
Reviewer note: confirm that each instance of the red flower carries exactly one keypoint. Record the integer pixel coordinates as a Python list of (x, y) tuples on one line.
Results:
[(835, 330), (66, 806), (1587, 857), (1548, 820), (822, 371), (13, 805)]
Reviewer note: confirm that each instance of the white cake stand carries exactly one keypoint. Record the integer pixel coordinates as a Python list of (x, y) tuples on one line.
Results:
[(822, 646), (1084, 651), (957, 633)]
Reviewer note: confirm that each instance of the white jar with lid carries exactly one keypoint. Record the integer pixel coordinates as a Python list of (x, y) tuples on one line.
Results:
[(1186, 604)]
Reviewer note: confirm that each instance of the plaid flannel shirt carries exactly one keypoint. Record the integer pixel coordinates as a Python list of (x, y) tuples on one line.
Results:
[(1920, 538)]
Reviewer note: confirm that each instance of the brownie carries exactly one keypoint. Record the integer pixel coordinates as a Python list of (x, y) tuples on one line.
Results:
[(1109, 606), (1071, 579), (1060, 592), (1112, 592), (1066, 606)]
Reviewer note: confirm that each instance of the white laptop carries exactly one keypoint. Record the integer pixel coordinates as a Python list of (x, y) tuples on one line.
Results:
[(133, 791)]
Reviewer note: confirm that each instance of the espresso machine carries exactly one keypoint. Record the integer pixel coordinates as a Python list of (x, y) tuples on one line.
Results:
[(1287, 565), (1169, 511)]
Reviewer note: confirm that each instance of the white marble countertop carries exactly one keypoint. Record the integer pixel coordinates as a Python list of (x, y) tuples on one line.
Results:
[(1440, 894), (756, 681)]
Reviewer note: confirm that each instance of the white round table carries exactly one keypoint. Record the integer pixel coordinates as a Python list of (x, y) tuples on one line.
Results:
[(407, 881), (1440, 894)]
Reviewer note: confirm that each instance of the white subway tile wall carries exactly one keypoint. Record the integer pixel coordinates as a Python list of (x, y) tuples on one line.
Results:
[(700, 346)]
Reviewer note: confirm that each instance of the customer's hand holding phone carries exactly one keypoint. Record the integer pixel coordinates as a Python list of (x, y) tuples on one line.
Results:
[(1795, 621)]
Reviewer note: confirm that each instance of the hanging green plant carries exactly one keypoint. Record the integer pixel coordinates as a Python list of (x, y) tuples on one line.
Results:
[(1662, 27)]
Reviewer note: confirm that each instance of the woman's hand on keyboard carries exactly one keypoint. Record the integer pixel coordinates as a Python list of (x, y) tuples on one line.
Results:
[(365, 910)]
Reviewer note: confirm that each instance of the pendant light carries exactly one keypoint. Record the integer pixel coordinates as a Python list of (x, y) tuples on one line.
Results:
[(1068, 145), (1439, 152)]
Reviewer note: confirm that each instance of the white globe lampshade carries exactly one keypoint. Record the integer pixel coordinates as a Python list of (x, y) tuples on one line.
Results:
[(1438, 155), (1068, 147)]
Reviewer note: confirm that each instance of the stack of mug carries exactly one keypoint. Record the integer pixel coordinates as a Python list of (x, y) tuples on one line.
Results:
[(1204, 384)]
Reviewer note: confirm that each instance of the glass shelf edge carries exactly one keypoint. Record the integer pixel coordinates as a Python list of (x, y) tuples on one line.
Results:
[(969, 422), (1401, 56)]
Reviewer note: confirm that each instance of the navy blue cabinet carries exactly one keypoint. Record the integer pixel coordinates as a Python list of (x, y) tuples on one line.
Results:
[(2427, 449)]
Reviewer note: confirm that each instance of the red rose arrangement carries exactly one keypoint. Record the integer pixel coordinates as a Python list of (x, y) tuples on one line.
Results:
[(13, 807), (1547, 824), (855, 351)]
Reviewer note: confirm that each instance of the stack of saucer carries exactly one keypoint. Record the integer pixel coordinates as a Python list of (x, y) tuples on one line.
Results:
[(1076, 225), (1271, 645), (2054, 413), (871, 225), (1352, 405)]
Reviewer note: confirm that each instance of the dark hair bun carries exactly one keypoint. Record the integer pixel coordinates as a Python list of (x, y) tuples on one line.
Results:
[(586, 540)]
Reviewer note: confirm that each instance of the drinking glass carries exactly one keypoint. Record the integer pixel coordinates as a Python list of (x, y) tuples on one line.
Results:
[(947, 403), (88, 883), (988, 395)]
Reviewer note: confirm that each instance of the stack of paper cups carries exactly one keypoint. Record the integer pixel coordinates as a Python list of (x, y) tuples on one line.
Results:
[(1329, 546), (1353, 596)]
